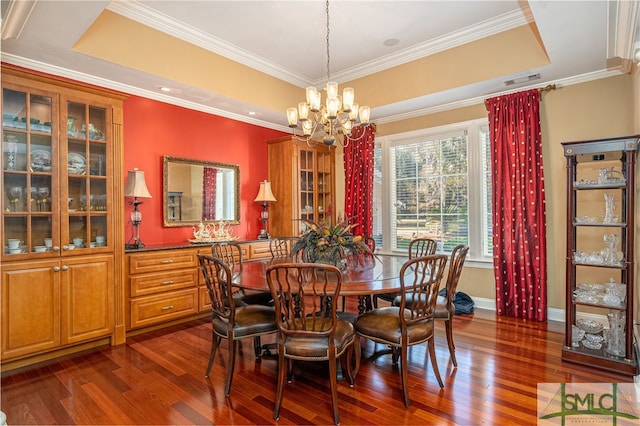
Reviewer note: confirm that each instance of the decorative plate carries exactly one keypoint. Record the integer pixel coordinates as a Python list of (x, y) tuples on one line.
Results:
[(40, 160), (77, 164)]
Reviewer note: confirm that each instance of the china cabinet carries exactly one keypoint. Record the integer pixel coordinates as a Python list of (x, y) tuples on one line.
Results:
[(61, 174), (303, 183), (600, 254)]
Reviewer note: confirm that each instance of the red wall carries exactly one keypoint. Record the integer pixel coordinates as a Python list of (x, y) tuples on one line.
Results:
[(153, 129)]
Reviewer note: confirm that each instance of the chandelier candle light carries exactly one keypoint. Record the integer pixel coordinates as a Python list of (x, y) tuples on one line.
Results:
[(335, 119), (264, 196), (135, 187)]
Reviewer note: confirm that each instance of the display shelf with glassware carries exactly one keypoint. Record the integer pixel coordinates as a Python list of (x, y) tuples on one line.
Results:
[(58, 209), (600, 254), (303, 187)]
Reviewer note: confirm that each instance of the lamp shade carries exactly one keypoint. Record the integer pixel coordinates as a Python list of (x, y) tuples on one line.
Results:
[(136, 185), (265, 194)]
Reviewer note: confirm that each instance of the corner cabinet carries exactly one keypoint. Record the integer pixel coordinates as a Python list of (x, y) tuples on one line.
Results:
[(303, 183), (600, 254), (61, 215)]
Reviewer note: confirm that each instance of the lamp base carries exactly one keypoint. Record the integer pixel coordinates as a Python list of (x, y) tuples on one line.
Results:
[(264, 235), (133, 246)]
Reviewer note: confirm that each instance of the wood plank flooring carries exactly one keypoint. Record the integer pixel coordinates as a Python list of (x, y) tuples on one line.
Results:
[(158, 378)]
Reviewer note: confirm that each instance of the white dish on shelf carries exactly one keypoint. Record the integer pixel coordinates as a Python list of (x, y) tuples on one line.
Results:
[(77, 164), (589, 326), (41, 160)]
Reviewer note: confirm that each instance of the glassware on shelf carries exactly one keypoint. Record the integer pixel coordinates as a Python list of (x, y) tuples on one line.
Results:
[(43, 194), (14, 194), (609, 216), (11, 152), (610, 255), (615, 334)]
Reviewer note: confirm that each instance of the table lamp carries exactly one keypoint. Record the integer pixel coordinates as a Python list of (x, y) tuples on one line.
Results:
[(135, 187), (264, 196)]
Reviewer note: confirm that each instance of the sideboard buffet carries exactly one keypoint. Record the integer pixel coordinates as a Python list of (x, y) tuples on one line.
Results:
[(166, 285)]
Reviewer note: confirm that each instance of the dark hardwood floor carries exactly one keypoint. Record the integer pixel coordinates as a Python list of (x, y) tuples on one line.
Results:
[(158, 378)]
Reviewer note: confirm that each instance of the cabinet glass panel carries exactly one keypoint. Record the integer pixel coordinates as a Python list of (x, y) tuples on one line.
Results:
[(27, 163), (97, 123), (97, 159), (87, 175)]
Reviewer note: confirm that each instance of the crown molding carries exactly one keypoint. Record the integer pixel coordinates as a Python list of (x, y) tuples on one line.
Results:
[(132, 90), (583, 78), (16, 17), (138, 12)]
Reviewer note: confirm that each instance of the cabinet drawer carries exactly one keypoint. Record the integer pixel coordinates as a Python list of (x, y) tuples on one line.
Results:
[(259, 251), (158, 282), (162, 261), (167, 306)]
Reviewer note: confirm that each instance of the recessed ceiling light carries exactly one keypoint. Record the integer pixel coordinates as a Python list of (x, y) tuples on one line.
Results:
[(391, 42), (251, 113), (165, 89)]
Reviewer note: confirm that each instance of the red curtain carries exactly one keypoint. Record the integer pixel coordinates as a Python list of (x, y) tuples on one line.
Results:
[(358, 166), (519, 230), (209, 182)]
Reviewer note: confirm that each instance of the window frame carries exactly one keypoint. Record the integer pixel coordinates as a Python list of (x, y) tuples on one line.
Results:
[(476, 185)]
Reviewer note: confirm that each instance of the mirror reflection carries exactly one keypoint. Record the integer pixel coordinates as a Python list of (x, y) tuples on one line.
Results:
[(197, 191)]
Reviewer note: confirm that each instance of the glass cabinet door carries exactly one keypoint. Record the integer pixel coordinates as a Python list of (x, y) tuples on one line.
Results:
[(30, 191), (87, 207), (307, 190)]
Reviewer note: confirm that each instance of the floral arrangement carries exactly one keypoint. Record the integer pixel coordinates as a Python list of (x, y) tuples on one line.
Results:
[(329, 243)]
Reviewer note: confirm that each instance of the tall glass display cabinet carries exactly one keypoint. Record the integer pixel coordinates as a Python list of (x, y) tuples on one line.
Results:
[(61, 164), (600, 261)]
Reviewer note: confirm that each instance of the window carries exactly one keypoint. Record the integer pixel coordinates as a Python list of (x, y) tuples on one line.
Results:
[(435, 183)]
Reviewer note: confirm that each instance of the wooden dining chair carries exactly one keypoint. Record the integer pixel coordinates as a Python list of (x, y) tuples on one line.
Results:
[(229, 321), (408, 324), (305, 296), (418, 247), (445, 309), (230, 252)]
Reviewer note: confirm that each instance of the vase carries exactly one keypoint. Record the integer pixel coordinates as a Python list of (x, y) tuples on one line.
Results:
[(609, 209), (615, 334), (328, 259)]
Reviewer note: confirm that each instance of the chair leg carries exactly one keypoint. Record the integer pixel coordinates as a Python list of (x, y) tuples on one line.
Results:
[(257, 346), (333, 371), (357, 352), (215, 342), (434, 361), (233, 345), (448, 324), (404, 366), (282, 372)]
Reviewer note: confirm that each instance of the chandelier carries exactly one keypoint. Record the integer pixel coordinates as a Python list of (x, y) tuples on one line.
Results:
[(335, 118)]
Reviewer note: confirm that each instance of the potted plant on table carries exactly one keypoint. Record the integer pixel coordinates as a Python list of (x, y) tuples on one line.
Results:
[(331, 244)]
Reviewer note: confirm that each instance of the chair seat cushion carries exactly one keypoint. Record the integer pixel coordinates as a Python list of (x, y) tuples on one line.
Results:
[(314, 347), (441, 311), (250, 320), (383, 324)]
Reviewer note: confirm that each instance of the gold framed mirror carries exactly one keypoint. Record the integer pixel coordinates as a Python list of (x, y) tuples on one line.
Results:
[(197, 191)]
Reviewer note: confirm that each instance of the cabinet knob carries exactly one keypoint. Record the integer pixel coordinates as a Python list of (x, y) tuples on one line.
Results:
[(56, 248), (65, 267), (56, 269)]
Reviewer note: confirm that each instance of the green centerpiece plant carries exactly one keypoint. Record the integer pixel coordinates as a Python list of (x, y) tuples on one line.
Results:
[(327, 243)]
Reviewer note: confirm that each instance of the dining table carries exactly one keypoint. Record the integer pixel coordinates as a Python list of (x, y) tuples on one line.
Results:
[(361, 277)]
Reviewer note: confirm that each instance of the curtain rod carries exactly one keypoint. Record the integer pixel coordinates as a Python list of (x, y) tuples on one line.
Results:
[(547, 88)]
